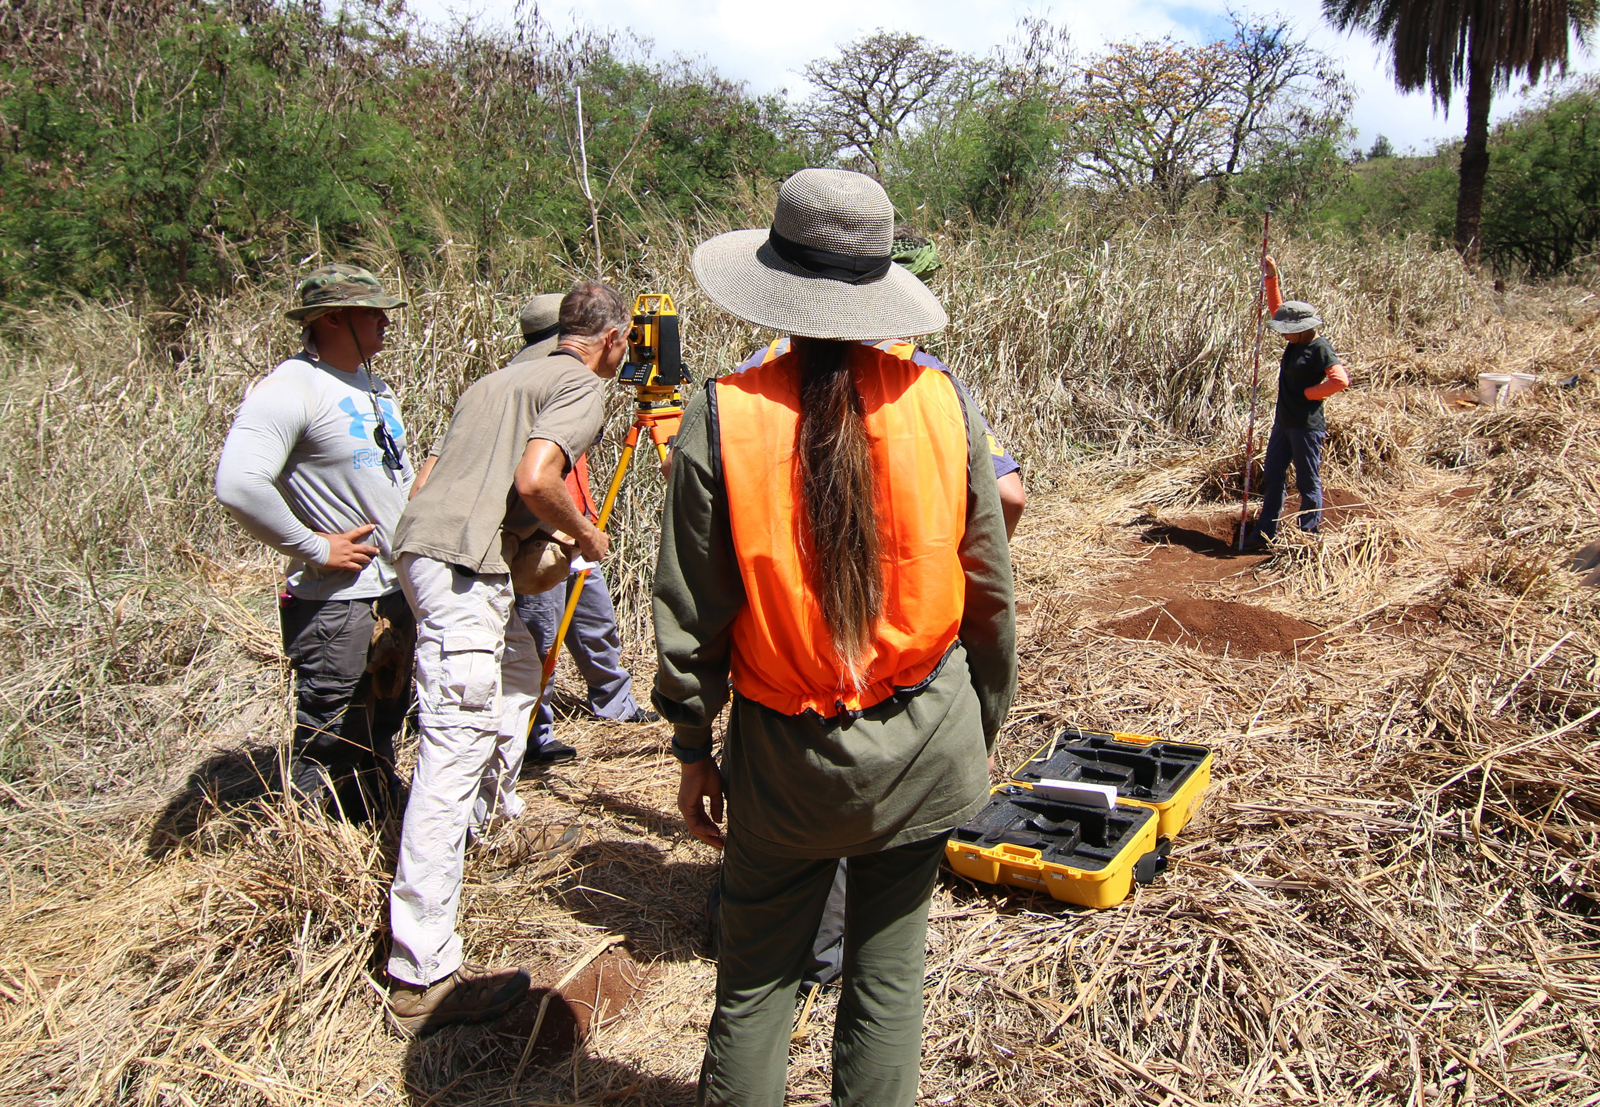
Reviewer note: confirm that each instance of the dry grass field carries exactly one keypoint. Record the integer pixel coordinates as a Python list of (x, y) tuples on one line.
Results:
[(1388, 895)]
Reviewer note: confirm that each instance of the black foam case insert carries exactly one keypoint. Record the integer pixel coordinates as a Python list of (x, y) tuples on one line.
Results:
[(1073, 834), (1152, 773)]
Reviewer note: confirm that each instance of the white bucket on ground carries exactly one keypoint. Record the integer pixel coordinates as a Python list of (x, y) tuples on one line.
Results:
[(1493, 388), (1522, 384)]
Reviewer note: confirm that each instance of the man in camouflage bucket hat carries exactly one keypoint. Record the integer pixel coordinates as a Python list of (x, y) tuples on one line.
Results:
[(340, 286), (315, 466)]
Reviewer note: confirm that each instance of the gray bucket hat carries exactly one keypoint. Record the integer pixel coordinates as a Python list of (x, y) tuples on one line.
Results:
[(541, 322), (824, 269), (337, 286), (1293, 317)]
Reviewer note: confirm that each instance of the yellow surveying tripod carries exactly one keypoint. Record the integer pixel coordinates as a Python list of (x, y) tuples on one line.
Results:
[(655, 369)]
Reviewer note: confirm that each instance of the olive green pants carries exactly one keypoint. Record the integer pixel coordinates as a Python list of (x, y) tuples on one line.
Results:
[(771, 907)]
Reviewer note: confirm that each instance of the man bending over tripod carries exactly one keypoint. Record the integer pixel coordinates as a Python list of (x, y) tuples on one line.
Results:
[(499, 482), (593, 638)]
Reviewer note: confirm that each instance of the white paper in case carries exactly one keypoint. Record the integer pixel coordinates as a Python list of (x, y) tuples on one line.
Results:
[(1103, 796)]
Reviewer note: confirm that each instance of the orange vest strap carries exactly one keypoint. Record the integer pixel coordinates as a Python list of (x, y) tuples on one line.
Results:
[(783, 657), (578, 487)]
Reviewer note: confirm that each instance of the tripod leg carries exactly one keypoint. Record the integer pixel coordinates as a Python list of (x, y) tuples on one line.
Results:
[(662, 435), (629, 444)]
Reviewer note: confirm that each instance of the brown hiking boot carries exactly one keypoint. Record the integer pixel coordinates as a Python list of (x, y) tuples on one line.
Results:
[(473, 993), (521, 841)]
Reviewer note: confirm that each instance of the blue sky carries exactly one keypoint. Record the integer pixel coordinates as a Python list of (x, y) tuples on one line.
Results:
[(766, 44)]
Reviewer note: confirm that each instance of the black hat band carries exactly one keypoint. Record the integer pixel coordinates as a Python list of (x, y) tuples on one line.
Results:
[(849, 268), (541, 334)]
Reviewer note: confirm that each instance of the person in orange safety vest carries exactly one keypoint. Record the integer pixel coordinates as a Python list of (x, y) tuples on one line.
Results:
[(834, 557)]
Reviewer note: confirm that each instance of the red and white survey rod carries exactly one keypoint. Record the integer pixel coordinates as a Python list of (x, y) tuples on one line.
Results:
[(1255, 373)]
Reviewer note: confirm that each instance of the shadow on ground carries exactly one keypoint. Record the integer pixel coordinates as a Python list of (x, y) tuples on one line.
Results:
[(1194, 539), (462, 1066), (223, 783), (630, 888)]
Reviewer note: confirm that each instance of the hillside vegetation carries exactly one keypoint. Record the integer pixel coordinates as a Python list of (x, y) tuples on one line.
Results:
[(171, 150)]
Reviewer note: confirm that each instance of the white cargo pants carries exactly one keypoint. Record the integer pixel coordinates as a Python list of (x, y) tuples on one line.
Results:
[(477, 680)]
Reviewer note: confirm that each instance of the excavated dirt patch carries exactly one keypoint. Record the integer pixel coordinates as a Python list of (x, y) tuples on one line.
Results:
[(1220, 627), (598, 994)]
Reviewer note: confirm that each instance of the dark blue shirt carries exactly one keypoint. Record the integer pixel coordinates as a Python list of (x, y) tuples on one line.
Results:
[(1303, 366)]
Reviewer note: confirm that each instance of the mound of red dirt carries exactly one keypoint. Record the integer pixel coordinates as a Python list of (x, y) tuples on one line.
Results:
[(1220, 627), (597, 994)]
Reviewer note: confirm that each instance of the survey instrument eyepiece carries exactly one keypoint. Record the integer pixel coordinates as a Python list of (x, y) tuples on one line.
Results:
[(655, 355)]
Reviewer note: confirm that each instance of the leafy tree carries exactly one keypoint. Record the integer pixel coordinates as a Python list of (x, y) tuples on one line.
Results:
[(876, 85), (993, 149), (1167, 117), (1148, 115), (1018, 147), (1444, 44), (1541, 208), (1381, 148)]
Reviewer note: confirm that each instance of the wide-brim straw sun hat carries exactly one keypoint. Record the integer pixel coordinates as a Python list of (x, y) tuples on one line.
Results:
[(338, 286), (824, 269), (1293, 317)]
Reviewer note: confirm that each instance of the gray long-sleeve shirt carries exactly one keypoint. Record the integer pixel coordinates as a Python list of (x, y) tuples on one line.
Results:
[(803, 787), (301, 458)]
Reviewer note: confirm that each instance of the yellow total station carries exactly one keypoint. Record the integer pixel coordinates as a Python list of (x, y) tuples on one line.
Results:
[(655, 369)]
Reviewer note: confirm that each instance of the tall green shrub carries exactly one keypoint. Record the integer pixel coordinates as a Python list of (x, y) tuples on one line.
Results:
[(1541, 210)]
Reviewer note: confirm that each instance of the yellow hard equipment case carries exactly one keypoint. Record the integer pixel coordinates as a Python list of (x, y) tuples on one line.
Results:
[(1078, 853), (1085, 817)]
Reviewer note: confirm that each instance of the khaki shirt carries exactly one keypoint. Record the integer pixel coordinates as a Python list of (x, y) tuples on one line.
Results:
[(470, 495), (799, 786)]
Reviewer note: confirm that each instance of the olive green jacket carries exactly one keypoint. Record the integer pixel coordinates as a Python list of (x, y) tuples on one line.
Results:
[(909, 768)]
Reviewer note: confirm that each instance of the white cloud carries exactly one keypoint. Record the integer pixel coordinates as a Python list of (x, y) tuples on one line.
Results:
[(766, 43)]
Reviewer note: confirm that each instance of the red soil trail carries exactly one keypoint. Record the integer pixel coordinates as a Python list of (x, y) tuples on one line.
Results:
[(604, 987)]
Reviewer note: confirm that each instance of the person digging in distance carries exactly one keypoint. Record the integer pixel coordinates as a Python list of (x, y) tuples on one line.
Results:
[(1308, 374), (497, 486), (854, 590), (315, 467), (593, 639)]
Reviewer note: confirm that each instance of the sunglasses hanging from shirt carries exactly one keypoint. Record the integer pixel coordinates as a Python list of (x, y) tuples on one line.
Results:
[(394, 458)]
